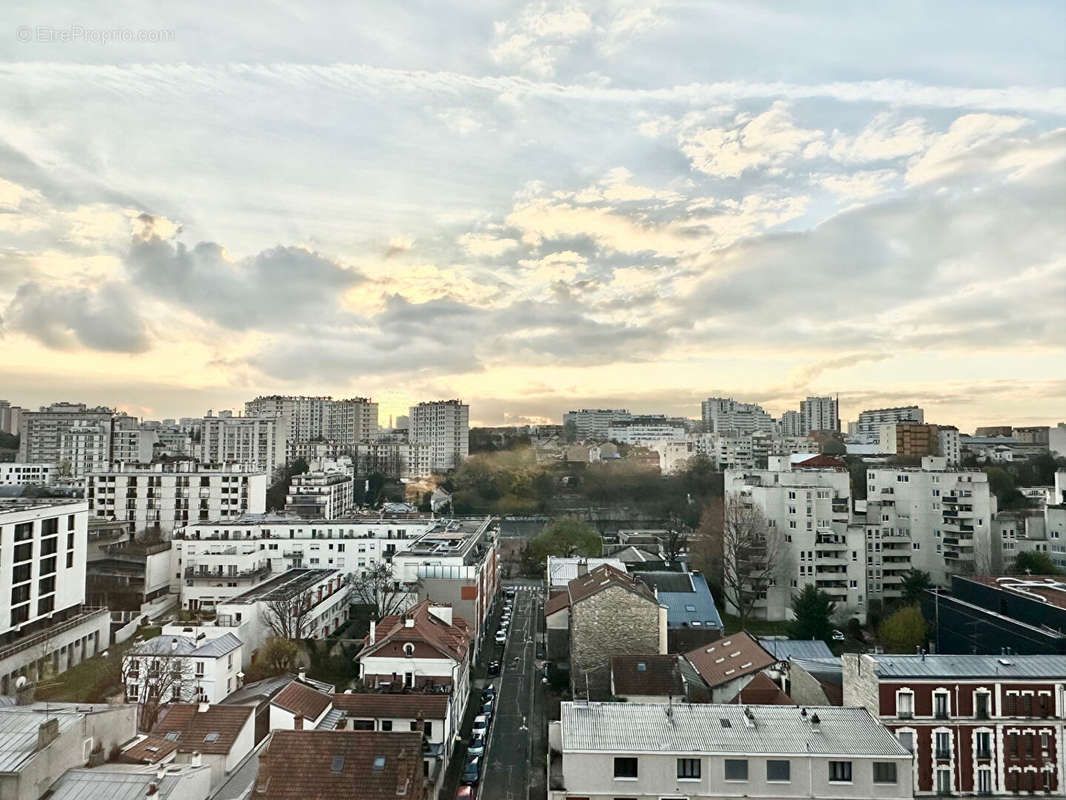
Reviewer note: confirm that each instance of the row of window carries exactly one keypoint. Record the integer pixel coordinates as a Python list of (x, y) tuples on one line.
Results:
[(775, 770)]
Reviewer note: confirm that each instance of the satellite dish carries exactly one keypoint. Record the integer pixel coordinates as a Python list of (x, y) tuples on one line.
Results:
[(20, 681)]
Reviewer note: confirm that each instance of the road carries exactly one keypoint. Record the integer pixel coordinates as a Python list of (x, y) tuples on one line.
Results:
[(515, 767)]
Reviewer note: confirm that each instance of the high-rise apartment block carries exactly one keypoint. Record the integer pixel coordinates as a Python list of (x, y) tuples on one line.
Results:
[(593, 423), (726, 415), (445, 426), (10, 417), (344, 422), (71, 435), (868, 430), (819, 414), (255, 443)]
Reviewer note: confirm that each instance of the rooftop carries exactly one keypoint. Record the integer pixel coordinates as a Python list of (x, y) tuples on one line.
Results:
[(453, 537), (19, 726), (969, 666), (647, 675), (451, 640), (167, 645), (762, 691), (718, 728), (118, 782), (729, 658), (1049, 589), (688, 600), (563, 569), (281, 587), (784, 649), (602, 577), (213, 730), (302, 701), (398, 706), (11, 505)]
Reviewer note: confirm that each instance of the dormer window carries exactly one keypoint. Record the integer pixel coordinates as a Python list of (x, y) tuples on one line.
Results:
[(408, 649)]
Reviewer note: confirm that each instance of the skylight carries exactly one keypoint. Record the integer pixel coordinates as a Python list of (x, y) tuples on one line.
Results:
[(379, 762)]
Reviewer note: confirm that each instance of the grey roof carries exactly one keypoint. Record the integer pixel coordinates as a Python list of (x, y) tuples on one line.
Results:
[(826, 669), (171, 645), (329, 722), (968, 666), (698, 728), (796, 648), (115, 783), (19, 726), (563, 569), (693, 607)]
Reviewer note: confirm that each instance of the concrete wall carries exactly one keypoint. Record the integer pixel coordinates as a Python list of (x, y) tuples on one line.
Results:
[(805, 689), (860, 683)]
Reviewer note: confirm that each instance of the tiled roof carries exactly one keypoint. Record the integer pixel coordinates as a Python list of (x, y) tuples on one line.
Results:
[(213, 731), (601, 578), (967, 666), (728, 658), (647, 675), (556, 603), (340, 765), (302, 700), (762, 691), (451, 640), (148, 750), (563, 569), (724, 728), (397, 706), (820, 462), (795, 648)]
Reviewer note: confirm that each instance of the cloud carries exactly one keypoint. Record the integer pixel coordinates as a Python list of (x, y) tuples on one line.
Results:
[(541, 34), (950, 150), (485, 244), (857, 185), (882, 139)]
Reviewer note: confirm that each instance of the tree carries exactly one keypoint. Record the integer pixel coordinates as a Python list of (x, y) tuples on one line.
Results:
[(153, 680), (378, 589), (904, 631), (813, 610), (675, 542), (834, 447), (743, 554), (1033, 563), (566, 537), (279, 490), (289, 617), (915, 584), (278, 655), (1001, 483)]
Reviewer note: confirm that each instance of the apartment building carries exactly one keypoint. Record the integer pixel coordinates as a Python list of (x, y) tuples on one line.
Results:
[(650, 751), (346, 422), (45, 627), (320, 495), (726, 415), (976, 724), (949, 444), (395, 457), (72, 435), (10, 417), (593, 423), (14, 473), (646, 431), (934, 518), (445, 426), (808, 514), (819, 414), (791, 424), (185, 669), (168, 496), (254, 443), (131, 442), (868, 428)]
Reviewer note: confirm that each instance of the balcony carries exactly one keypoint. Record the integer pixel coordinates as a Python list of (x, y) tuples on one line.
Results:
[(192, 574)]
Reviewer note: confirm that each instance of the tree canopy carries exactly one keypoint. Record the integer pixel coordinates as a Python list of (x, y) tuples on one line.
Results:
[(1033, 563), (565, 537), (915, 584), (813, 610), (904, 631)]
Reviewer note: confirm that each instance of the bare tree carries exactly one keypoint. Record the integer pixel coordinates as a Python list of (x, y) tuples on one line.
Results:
[(379, 589), (290, 617), (742, 553), (154, 680), (675, 543)]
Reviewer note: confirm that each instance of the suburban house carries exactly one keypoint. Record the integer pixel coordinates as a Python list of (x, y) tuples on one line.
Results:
[(656, 679), (730, 664), (423, 649), (692, 619), (660, 750), (220, 735), (298, 707), (183, 669), (258, 694), (990, 725), (330, 765)]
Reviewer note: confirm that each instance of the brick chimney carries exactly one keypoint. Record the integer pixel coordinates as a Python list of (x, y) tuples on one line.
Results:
[(47, 733)]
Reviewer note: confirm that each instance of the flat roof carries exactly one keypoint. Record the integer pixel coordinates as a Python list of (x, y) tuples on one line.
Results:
[(10, 505), (969, 666), (1049, 589), (283, 586)]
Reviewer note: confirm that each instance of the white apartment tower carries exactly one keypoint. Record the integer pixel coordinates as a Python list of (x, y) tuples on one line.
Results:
[(593, 423), (726, 415), (819, 414), (345, 422), (868, 429), (71, 435), (445, 425), (255, 443)]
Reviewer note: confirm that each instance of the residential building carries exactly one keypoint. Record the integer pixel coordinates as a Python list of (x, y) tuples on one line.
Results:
[(259, 694), (606, 613), (984, 614), (1034, 434), (41, 741), (1057, 440), (16, 473), (560, 570), (328, 765), (594, 423), (807, 509), (977, 724), (949, 444), (994, 431), (320, 495), (933, 518), (182, 669), (220, 736), (656, 679), (345, 422), (728, 665), (648, 430), (868, 429), (691, 616), (45, 626), (131, 578), (423, 648), (819, 414), (445, 426), (10, 417), (909, 439), (132, 443), (726, 415), (256, 444), (1026, 531), (114, 781), (674, 456), (72, 435), (395, 457), (299, 707), (697, 750), (792, 424), (167, 496)]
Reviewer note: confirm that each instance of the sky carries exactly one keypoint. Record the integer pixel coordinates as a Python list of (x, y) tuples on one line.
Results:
[(536, 206)]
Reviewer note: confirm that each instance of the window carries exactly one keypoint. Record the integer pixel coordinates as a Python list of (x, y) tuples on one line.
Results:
[(778, 771), (840, 772), (984, 744), (625, 768), (904, 704), (943, 781), (736, 769), (906, 738), (940, 705), (884, 772), (386, 724), (943, 744), (688, 769), (984, 781)]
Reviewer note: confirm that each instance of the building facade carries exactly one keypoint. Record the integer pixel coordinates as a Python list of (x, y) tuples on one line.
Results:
[(72, 435), (445, 426), (14, 473), (593, 423), (868, 429), (726, 415), (254, 443), (320, 495), (819, 414)]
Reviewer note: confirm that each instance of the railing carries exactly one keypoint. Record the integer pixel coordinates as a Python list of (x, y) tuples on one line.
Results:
[(52, 631)]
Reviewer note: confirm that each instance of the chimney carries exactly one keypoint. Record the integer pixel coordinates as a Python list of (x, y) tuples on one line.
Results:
[(47, 733), (373, 631), (160, 773), (297, 722), (152, 789), (196, 760), (173, 645), (442, 612), (408, 622), (202, 708), (301, 675), (582, 567), (816, 723)]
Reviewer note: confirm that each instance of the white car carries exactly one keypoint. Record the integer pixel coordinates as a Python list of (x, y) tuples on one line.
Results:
[(481, 725), (501, 637)]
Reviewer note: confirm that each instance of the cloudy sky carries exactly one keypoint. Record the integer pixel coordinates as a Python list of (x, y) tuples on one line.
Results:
[(536, 205)]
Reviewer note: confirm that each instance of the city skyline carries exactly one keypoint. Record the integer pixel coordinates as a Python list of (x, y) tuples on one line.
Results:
[(525, 205)]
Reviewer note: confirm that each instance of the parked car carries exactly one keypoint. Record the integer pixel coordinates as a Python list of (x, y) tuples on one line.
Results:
[(838, 635), (501, 637), (486, 708), (494, 668), (481, 724), (476, 746), (465, 793), (540, 650), (488, 693), (471, 771), (509, 591)]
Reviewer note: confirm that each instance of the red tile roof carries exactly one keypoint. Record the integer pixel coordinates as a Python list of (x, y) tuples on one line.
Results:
[(660, 676), (213, 731), (397, 706), (821, 461), (452, 640), (302, 700), (149, 750), (557, 602), (340, 765), (728, 658), (762, 691), (602, 577)]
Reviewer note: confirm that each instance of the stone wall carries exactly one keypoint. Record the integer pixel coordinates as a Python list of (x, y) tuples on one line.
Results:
[(860, 682), (614, 621)]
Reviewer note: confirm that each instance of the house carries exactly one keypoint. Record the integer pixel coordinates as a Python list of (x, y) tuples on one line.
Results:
[(815, 681), (694, 750), (221, 735), (563, 569), (605, 613), (656, 678), (762, 691), (692, 619), (729, 664), (40, 741), (122, 781), (425, 648), (258, 694), (297, 707), (329, 765), (990, 725), (183, 669)]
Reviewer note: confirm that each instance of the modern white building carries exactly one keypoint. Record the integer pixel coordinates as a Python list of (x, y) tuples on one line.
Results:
[(1057, 440), (868, 429), (791, 424), (445, 426), (45, 627), (320, 495), (648, 432), (950, 446), (394, 456), (934, 518), (254, 443), (651, 751), (726, 415), (72, 435), (346, 422), (183, 669), (819, 414), (131, 443), (807, 511), (16, 473), (593, 423), (168, 496)]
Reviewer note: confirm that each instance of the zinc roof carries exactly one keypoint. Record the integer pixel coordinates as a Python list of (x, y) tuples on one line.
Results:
[(102, 783), (970, 666), (795, 648), (19, 726), (699, 728)]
